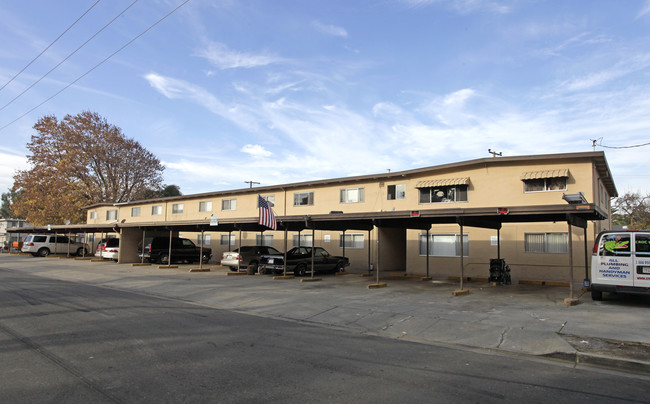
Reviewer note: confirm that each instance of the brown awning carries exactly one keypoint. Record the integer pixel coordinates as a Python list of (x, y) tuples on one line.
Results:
[(442, 182), (536, 175)]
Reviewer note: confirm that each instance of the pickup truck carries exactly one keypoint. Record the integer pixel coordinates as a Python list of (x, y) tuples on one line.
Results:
[(299, 261)]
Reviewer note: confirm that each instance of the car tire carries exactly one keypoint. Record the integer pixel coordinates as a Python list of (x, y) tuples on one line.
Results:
[(339, 267), (261, 270), (163, 259), (43, 252), (300, 270), (205, 259), (596, 295), (278, 271), (251, 269), (81, 252), (234, 269)]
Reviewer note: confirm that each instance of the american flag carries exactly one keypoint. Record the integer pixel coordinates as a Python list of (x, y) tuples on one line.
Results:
[(266, 214)]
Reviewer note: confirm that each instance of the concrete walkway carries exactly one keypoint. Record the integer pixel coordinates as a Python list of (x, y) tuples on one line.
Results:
[(520, 319)]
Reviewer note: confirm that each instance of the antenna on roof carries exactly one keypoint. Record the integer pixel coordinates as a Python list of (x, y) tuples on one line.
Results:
[(494, 153), (251, 183)]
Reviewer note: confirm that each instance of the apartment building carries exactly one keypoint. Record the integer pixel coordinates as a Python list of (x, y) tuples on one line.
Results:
[(540, 213)]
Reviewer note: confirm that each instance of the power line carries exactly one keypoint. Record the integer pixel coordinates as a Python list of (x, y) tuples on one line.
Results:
[(69, 56), (97, 65), (594, 144), (48, 46)]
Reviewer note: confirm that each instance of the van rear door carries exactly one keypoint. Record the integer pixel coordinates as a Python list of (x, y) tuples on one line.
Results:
[(642, 264), (614, 263)]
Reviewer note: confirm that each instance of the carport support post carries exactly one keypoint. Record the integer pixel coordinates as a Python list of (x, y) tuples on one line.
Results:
[(201, 249), (570, 261), (499, 243), (101, 255), (369, 249), (586, 258), (378, 253), (142, 257), (284, 265), (462, 256), (84, 246), (428, 253), (239, 251), (169, 256), (313, 247), (68, 254), (344, 245)]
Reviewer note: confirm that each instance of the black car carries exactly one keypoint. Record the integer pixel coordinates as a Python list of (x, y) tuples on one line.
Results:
[(299, 261), (182, 250)]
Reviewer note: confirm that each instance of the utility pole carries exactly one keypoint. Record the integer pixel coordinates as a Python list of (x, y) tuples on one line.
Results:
[(251, 183), (494, 153)]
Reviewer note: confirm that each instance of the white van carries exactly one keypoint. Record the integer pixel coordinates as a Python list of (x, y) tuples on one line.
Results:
[(621, 263)]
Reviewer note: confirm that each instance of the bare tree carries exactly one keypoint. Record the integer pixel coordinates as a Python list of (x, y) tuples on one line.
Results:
[(633, 210)]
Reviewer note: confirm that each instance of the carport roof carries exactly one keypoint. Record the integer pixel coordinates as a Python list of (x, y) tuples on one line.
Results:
[(486, 217)]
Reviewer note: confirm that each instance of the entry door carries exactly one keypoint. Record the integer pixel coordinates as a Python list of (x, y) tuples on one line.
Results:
[(642, 264), (614, 263)]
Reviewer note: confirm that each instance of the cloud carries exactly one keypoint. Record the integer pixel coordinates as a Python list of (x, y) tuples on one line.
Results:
[(332, 30), (224, 58), (645, 9), (256, 151), (10, 161), (620, 69)]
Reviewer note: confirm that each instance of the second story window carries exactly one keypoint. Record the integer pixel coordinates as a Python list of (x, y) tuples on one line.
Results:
[(397, 191), (178, 208), (352, 195), (303, 198), (93, 215), (135, 212), (453, 193), (205, 206), (156, 210), (544, 181), (111, 214), (229, 204)]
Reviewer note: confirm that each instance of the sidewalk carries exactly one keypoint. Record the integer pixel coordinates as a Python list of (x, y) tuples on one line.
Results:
[(520, 319)]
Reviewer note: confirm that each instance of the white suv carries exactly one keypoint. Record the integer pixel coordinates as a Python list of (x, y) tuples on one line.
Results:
[(46, 244)]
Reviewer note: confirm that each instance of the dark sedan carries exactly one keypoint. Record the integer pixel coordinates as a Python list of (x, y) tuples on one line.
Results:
[(299, 261)]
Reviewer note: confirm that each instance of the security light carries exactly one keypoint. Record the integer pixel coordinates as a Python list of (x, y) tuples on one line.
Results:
[(575, 198)]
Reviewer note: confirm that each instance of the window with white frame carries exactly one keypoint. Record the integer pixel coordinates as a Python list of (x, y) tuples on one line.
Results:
[(93, 215), (444, 245), (352, 240), (549, 243), (305, 240), (397, 191), (270, 199), (178, 208), (156, 210), (111, 214), (225, 241), (264, 239), (205, 206), (352, 195), (545, 184), (452, 193), (229, 204), (205, 240), (303, 198), (135, 212)]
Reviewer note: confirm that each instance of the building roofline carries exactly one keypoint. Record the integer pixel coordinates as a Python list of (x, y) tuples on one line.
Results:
[(597, 156)]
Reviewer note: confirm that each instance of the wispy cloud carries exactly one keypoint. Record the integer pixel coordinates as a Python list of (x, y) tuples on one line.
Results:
[(463, 6), (225, 58), (620, 69), (327, 29), (645, 9), (255, 150)]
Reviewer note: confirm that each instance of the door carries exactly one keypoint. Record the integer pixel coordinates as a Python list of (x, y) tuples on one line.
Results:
[(642, 257), (613, 263)]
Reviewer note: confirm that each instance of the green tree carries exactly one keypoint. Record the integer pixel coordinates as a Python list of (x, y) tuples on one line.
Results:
[(6, 211), (79, 161)]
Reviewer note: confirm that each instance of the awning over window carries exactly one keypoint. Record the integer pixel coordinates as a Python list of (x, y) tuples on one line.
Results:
[(536, 175), (442, 182)]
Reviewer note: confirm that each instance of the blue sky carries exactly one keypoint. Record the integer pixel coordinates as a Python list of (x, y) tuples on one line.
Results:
[(281, 91)]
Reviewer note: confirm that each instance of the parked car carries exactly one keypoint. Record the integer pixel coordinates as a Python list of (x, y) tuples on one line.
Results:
[(182, 249), (248, 259), (621, 263), (108, 248), (46, 244), (299, 261)]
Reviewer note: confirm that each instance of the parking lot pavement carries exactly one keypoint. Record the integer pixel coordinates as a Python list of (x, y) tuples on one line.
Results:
[(521, 319)]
